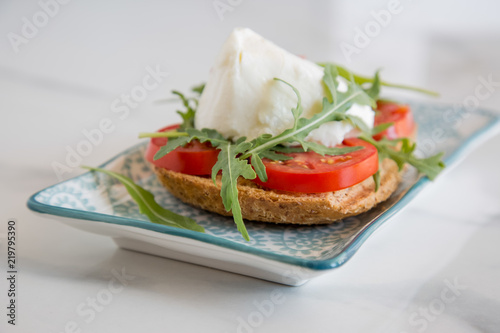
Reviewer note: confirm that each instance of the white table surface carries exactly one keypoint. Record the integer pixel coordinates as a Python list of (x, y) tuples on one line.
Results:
[(64, 80)]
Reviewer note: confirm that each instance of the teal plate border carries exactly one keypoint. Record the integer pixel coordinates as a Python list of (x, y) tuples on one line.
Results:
[(460, 139)]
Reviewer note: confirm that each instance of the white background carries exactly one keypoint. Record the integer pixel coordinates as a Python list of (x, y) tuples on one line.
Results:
[(64, 79)]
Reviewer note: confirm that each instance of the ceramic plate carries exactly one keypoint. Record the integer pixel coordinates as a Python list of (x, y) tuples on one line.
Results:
[(285, 254)]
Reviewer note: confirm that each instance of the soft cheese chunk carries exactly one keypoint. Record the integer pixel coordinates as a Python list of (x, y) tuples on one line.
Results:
[(333, 133), (242, 99)]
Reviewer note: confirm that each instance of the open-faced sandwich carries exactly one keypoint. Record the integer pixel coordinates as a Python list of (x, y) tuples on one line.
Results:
[(276, 138)]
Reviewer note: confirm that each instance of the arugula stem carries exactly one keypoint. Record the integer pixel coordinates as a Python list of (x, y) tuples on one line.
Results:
[(359, 79), (363, 79), (417, 89), (169, 134)]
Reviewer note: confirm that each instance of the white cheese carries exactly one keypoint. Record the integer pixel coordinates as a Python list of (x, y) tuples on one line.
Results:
[(333, 132), (330, 133), (241, 97), (341, 84), (363, 112)]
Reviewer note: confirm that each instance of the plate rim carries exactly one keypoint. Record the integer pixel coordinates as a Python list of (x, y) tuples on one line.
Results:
[(474, 140)]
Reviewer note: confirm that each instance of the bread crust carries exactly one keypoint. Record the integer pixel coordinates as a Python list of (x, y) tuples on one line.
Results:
[(267, 205)]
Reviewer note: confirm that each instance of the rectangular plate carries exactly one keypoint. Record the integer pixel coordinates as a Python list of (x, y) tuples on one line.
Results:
[(285, 254)]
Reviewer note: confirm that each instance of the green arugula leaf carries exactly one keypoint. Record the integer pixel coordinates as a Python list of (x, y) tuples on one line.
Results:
[(288, 150), (204, 135), (228, 162), (323, 150), (188, 115), (149, 207), (374, 90), (274, 155), (376, 178), (316, 147), (171, 145), (360, 80), (198, 89), (210, 135), (232, 168), (259, 167), (380, 128), (191, 104), (430, 166)]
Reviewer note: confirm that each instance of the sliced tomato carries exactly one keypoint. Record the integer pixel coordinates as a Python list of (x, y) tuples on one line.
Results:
[(193, 159), (400, 115), (310, 172)]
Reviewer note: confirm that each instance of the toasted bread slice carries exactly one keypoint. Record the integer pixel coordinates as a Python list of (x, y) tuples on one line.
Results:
[(267, 205)]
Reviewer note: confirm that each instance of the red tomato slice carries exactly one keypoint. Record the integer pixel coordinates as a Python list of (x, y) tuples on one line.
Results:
[(312, 173), (193, 159), (400, 115)]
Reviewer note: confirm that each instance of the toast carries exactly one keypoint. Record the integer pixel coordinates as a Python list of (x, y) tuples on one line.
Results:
[(267, 205)]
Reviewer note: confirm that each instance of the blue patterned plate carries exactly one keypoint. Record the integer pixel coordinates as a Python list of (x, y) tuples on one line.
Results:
[(284, 254)]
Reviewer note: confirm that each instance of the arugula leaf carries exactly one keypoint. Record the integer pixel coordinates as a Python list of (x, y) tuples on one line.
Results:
[(288, 150), (232, 168), (210, 135), (259, 167), (149, 207), (272, 154), (360, 80), (228, 162), (380, 128), (374, 90), (171, 145), (376, 177), (190, 103), (198, 89), (430, 166), (324, 150), (188, 115)]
